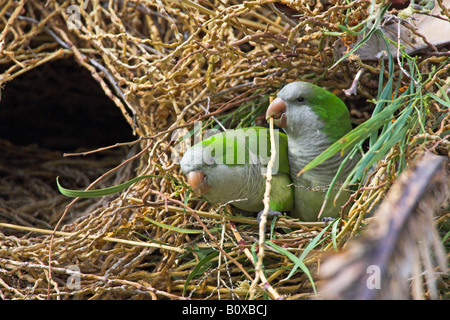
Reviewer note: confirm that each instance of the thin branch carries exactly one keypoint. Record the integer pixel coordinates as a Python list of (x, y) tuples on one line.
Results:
[(259, 274)]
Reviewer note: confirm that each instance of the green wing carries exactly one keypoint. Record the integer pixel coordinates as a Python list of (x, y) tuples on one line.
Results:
[(281, 193), (243, 146)]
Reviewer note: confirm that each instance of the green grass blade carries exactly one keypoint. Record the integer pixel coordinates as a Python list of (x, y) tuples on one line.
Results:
[(369, 34), (447, 235), (297, 261), (443, 93), (253, 251), (152, 240), (199, 269), (357, 135), (176, 229), (443, 102), (315, 242), (334, 234), (100, 192)]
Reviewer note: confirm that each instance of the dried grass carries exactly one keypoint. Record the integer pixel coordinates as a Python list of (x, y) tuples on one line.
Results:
[(164, 63)]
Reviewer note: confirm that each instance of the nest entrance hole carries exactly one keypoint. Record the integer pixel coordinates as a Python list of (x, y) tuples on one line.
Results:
[(55, 108), (59, 106)]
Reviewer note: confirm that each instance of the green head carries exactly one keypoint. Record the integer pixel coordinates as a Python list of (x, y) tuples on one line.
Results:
[(302, 106)]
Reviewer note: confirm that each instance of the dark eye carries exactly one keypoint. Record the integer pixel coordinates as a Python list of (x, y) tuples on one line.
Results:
[(300, 99)]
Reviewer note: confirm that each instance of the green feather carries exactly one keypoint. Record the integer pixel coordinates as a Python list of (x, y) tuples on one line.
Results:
[(332, 111), (281, 193), (233, 147)]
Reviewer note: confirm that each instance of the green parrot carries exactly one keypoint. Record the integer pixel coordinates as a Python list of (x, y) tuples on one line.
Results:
[(313, 119), (229, 167)]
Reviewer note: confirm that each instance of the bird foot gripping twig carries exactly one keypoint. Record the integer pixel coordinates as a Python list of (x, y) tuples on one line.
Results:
[(269, 214)]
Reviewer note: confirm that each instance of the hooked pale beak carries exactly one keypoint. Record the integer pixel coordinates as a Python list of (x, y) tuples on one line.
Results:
[(197, 181), (277, 111)]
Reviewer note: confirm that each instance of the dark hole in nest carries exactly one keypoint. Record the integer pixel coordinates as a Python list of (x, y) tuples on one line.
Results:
[(59, 106), (55, 108)]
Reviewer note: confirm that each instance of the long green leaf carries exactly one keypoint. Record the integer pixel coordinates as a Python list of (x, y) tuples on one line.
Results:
[(359, 134), (334, 235), (369, 34), (443, 102), (298, 263), (444, 94), (197, 268), (314, 243), (169, 227), (100, 192), (153, 240)]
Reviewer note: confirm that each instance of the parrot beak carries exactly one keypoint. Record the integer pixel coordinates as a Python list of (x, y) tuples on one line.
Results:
[(197, 181), (277, 111)]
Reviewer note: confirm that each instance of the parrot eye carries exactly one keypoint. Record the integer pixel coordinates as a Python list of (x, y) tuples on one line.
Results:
[(300, 99)]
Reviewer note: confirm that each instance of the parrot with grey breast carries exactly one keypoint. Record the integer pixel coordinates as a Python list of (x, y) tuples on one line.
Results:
[(229, 167), (313, 119)]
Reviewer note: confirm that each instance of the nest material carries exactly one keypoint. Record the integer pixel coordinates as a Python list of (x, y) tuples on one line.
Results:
[(166, 64), (405, 216)]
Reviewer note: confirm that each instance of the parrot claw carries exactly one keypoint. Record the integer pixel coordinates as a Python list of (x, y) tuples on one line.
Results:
[(269, 214)]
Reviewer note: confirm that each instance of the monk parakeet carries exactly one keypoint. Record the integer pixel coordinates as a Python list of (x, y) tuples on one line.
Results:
[(229, 167), (313, 119)]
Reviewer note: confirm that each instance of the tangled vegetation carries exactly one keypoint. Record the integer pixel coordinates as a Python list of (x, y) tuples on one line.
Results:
[(167, 64)]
